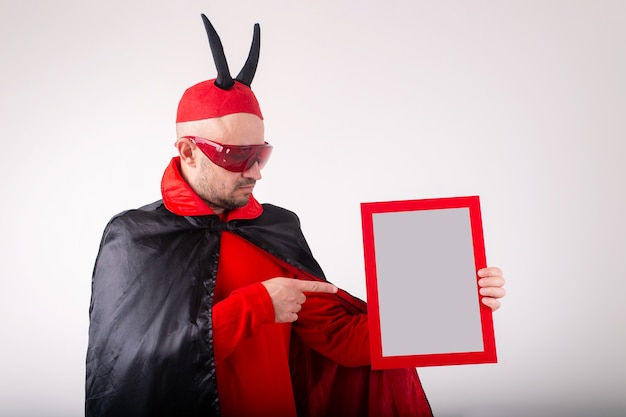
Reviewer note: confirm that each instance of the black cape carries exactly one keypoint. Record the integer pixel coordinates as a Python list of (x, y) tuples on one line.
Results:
[(150, 347)]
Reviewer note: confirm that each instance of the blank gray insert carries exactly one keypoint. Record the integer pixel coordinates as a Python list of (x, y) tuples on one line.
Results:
[(426, 275)]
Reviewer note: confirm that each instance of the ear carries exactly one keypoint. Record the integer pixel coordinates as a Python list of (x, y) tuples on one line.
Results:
[(188, 151)]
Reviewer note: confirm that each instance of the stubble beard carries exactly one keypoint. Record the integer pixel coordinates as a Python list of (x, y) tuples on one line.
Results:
[(228, 201), (218, 197)]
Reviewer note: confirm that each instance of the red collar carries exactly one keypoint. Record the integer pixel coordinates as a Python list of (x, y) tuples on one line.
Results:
[(180, 199)]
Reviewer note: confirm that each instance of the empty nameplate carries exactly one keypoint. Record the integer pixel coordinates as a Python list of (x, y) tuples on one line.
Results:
[(421, 258)]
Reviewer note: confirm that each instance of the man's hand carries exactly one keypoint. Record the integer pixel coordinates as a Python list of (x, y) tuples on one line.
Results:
[(491, 282), (287, 295)]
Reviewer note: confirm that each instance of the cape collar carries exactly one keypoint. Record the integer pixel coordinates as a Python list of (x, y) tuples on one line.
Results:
[(180, 199)]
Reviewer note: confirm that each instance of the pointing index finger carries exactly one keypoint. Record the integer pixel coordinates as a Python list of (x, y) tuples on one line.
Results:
[(316, 286)]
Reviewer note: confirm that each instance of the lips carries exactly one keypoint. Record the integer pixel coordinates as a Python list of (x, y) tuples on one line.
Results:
[(246, 187)]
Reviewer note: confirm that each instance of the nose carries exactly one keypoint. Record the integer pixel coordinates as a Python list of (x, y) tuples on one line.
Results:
[(253, 172)]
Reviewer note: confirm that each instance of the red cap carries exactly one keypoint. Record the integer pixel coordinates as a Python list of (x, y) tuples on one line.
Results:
[(205, 101)]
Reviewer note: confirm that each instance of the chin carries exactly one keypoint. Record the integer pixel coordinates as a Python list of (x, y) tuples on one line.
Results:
[(238, 203)]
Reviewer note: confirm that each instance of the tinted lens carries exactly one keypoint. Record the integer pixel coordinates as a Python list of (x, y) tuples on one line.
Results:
[(234, 158), (259, 154)]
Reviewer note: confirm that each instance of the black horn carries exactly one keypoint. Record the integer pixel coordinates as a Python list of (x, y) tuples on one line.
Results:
[(224, 79), (246, 74)]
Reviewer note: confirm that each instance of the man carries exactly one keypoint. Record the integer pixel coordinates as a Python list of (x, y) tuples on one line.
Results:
[(209, 303)]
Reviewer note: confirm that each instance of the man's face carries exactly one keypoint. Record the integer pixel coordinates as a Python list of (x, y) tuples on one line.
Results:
[(220, 188)]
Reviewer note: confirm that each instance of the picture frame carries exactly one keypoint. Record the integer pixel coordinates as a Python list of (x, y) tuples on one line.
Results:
[(421, 263)]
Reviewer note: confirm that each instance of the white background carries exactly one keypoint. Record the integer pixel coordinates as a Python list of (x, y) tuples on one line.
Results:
[(521, 102)]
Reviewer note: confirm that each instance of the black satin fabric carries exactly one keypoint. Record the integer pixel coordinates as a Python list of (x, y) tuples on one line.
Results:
[(150, 347)]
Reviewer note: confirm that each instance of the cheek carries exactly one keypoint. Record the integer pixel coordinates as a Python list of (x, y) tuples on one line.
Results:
[(217, 180), (230, 182), (220, 182)]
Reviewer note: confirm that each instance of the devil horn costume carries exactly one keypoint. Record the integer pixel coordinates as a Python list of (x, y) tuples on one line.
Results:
[(246, 75), (151, 345)]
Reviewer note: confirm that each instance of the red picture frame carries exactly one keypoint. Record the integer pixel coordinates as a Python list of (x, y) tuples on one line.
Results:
[(421, 258)]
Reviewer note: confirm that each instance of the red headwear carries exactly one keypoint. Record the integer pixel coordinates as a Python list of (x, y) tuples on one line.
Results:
[(222, 95)]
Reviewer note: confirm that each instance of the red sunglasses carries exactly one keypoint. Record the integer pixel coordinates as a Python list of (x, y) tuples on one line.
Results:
[(231, 157)]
